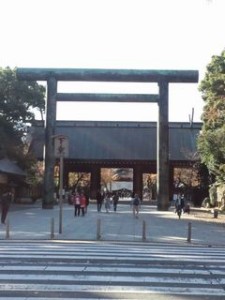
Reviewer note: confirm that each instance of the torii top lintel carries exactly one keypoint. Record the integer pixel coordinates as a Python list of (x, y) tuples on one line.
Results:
[(108, 75)]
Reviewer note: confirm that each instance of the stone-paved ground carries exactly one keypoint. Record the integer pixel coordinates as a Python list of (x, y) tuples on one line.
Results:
[(207, 216)]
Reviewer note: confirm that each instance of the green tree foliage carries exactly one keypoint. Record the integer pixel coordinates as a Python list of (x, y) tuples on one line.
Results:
[(17, 100), (211, 141)]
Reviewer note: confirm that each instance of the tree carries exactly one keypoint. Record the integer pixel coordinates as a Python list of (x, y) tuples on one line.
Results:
[(211, 141), (17, 100), (79, 180)]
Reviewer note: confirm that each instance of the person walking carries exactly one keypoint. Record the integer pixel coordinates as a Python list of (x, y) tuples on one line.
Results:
[(76, 202), (136, 202), (87, 201), (99, 199), (83, 204), (179, 204), (6, 200), (107, 202), (115, 201)]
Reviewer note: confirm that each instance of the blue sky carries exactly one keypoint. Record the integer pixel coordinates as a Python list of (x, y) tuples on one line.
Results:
[(122, 34)]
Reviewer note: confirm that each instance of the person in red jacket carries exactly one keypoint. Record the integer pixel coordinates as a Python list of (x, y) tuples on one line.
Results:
[(76, 203), (83, 203)]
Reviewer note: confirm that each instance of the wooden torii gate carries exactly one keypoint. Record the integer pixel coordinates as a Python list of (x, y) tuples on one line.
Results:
[(162, 77)]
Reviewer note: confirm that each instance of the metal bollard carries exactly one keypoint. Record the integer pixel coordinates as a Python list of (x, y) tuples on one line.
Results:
[(189, 233), (144, 231), (52, 228), (215, 213), (98, 236), (7, 234)]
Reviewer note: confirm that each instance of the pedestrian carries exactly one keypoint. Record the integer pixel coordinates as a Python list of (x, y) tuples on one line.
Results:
[(83, 203), (179, 204), (115, 201), (6, 199), (107, 202), (99, 199), (76, 202), (136, 202), (87, 201), (175, 190)]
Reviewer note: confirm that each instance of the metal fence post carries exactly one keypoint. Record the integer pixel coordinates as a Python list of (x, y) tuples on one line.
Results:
[(144, 231), (7, 234), (52, 228), (189, 233), (98, 229)]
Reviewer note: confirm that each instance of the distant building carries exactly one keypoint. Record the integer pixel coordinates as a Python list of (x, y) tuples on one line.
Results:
[(94, 145), (11, 175)]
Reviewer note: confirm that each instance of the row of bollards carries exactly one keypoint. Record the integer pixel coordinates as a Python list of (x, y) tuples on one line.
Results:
[(98, 235), (7, 229), (98, 231)]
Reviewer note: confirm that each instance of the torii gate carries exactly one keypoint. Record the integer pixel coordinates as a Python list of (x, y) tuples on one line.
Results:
[(162, 77)]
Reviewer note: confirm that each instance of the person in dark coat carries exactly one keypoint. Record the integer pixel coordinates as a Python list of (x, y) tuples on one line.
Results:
[(99, 199), (6, 199), (115, 201), (136, 203)]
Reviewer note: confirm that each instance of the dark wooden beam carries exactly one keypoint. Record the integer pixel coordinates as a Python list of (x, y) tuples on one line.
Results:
[(107, 97), (108, 75)]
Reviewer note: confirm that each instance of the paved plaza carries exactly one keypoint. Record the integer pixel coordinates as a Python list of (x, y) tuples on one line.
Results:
[(31, 222)]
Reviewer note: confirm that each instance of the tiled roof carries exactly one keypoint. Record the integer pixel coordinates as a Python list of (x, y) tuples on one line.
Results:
[(9, 167), (119, 140)]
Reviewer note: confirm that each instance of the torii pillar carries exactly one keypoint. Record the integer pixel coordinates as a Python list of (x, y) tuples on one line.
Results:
[(163, 148), (162, 77), (49, 155)]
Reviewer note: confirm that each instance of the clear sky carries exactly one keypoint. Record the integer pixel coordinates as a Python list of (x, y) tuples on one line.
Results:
[(122, 34)]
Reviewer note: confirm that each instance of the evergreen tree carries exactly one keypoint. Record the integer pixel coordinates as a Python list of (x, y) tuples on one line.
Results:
[(17, 100), (211, 141)]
